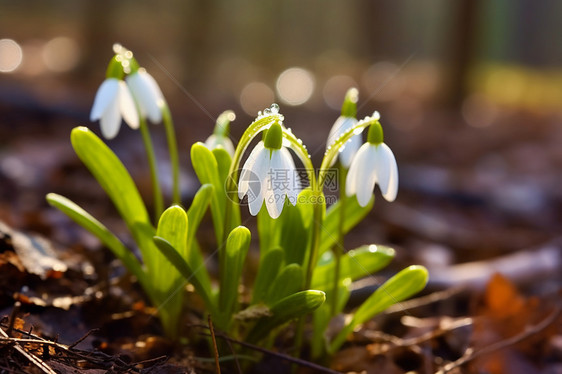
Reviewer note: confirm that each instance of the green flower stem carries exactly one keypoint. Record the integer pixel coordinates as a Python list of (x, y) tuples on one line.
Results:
[(173, 149), (158, 199), (338, 248)]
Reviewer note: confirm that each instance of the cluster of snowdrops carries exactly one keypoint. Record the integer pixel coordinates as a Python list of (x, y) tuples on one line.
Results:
[(304, 273)]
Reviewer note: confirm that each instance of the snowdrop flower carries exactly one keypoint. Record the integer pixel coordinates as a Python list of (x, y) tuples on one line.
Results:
[(113, 101), (373, 163), (220, 138), (344, 122), (147, 94), (269, 175)]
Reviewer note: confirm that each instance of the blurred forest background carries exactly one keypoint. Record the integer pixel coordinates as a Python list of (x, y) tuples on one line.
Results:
[(470, 96), (469, 92)]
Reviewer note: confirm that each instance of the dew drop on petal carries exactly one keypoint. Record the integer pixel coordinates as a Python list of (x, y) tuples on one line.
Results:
[(358, 131), (274, 108)]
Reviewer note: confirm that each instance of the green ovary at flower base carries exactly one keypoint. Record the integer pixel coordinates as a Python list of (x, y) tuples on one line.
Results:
[(268, 160)]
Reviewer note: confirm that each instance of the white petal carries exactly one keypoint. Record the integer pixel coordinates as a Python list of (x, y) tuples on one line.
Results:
[(365, 176), (111, 121), (127, 106), (335, 131), (147, 98), (245, 175), (351, 148), (294, 184), (276, 188), (387, 172), (255, 192), (153, 106), (106, 94), (341, 125), (353, 176), (215, 141)]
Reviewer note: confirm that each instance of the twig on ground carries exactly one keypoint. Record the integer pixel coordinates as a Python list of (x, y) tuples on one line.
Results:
[(298, 361), (529, 331), (215, 348)]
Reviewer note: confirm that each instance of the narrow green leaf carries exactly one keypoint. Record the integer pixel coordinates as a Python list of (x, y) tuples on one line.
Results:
[(195, 214), (398, 288), (268, 235), (354, 214), (237, 246), (207, 170), (294, 235), (291, 307), (288, 281), (185, 270), (270, 264), (224, 160), (355, 264), (322, 318), (167, 280), (84, 219), (114, 178)]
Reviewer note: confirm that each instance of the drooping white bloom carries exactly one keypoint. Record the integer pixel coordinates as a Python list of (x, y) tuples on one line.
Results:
[(350, 148), (147, 93), (269, 175), (373, 163), (215, 141), (113, 101)]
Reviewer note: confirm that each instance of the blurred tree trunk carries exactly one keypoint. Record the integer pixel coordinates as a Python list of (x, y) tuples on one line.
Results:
[(196, 52), (98, 36), (460, 51)]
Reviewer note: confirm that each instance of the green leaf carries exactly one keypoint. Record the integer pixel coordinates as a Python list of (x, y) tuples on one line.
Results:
[(398, 288), (322, 318), (291, 307), (84, 219), (294, 235), (355, 264), (270, 264), (289, 281), (186, 271), (223, 162), (237, 246), (195, 214), (167, 280), (354, 214), (268, 235), (207, 170), (114, 178)]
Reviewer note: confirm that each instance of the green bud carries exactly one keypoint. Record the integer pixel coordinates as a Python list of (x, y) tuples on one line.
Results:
[(375, 135), (222, 127), (115, 68), (274, 137), (349, 106)]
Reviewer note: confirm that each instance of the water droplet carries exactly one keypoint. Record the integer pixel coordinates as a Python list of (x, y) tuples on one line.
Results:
[(358, 131), (274, 108), (299, 141)]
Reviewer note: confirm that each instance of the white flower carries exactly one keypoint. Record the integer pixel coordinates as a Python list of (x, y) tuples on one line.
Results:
[(373, 163), (113, 101), (215, 141), (347, 152), (270, 175), (147, 93)]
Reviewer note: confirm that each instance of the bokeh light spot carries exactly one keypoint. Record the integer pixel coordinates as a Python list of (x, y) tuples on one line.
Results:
[(60, 54), (295, 86), (255, 96), (335, 89), (10, 55)]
